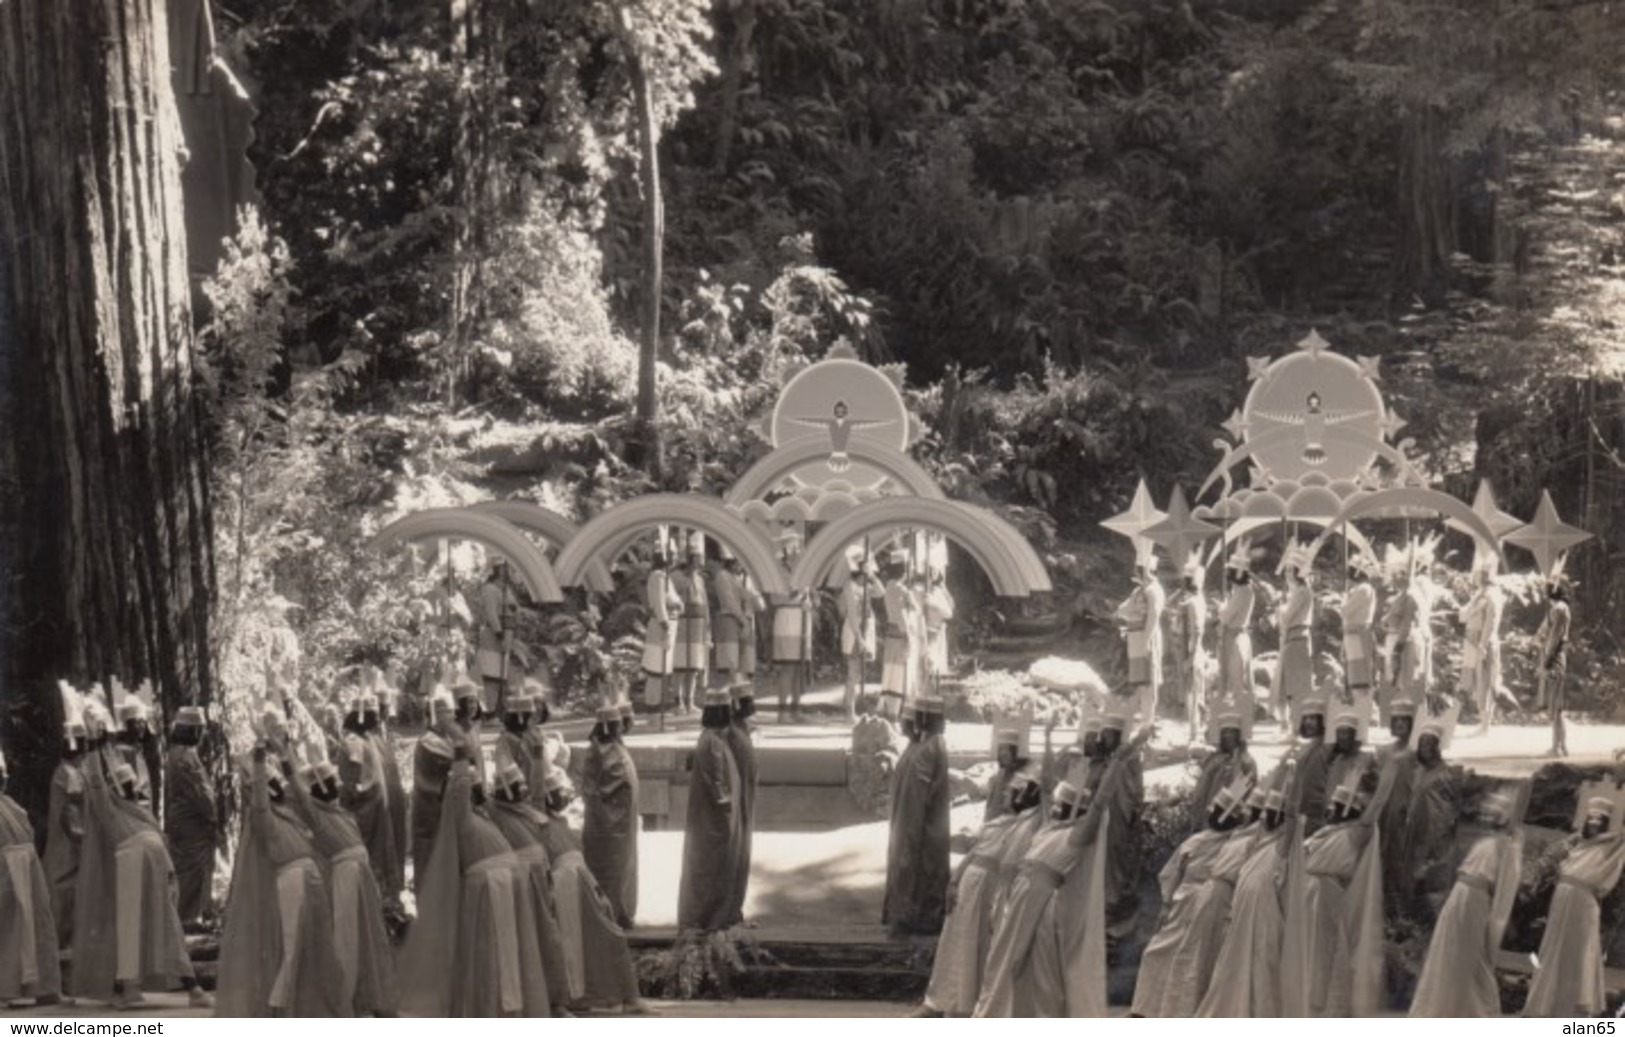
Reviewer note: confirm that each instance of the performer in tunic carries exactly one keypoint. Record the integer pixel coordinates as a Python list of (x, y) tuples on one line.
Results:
[(64, 818), (1553, 638), (1341, 914), (749, 637), (1229, 761), (1430, 823), (660, 634), (1295, 676), (126, 933), (519, 742), (713, 839), (431, 767), (1196, 886), (366, 961), (1409, 634), (693, 652), (1458, 974), (1235, 629), (729, 622), (1569, 981), (936, 612), (1359, 615), (610, 818), (1048, 954), (857, 604), (276, 950), (792, 650), (495, 635), (1481, 645), (1311, 758), (522, 820), (191, 819), (29, 968), (743, 749), (1251, 970), (472, 953), (917, 866), (1140, 618), (601, 973), (900, 658), (1188, 616), (956, 970)]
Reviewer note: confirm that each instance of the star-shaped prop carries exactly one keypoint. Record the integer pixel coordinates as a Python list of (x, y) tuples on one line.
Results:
[(1484, 507), (1391, 424), (1313, 344), (1548, 536), (1370, 366), (1235, 426), (1181, 532), (1140, 516), (1257, 366)]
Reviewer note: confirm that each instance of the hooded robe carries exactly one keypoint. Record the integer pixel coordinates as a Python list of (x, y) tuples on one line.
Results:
[(277, 893), (1252, 971), (471, 952), (1570, 979), (712, 837), (744, 754), (917, 866), (956, 970), (28, 950), (523, 825), (1341, 913), (1458, 974), (600, 964), (366, 961), (610, 825), (64, 832), (125, 924), (1123, 801), (1196, 886)]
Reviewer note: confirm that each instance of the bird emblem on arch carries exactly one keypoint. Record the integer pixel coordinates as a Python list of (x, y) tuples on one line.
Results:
[(1314, 419), (841, 425)]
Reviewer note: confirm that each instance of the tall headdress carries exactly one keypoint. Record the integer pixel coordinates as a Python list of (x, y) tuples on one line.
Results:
[(73, 714), (1298, 558), (1600, 797), (1014, 728), (1441, 726), (1356, 715), (1241, 558), (1238, 715)]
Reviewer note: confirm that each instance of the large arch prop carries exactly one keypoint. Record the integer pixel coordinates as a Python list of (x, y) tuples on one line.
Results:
[(1014, 568), (1415, 498), (494, 533), (1335, 433), (767, 474), (551, 527), (611, 532)]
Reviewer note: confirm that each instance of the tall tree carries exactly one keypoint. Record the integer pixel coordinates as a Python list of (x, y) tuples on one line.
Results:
[(109, 529)]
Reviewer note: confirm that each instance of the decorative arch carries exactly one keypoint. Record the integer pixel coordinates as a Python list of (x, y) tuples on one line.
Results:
[(1421, 498), (1252, 526), (494, 533), (551, 527), (1236, 455), (766, 474), (1001, 551), (612, 531)]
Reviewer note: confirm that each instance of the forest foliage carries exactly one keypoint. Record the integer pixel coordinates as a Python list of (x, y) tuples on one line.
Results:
[(1071, 220)]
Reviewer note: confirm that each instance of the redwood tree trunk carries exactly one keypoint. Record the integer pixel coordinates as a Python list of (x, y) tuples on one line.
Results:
[(647, 450), (108, 533)]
